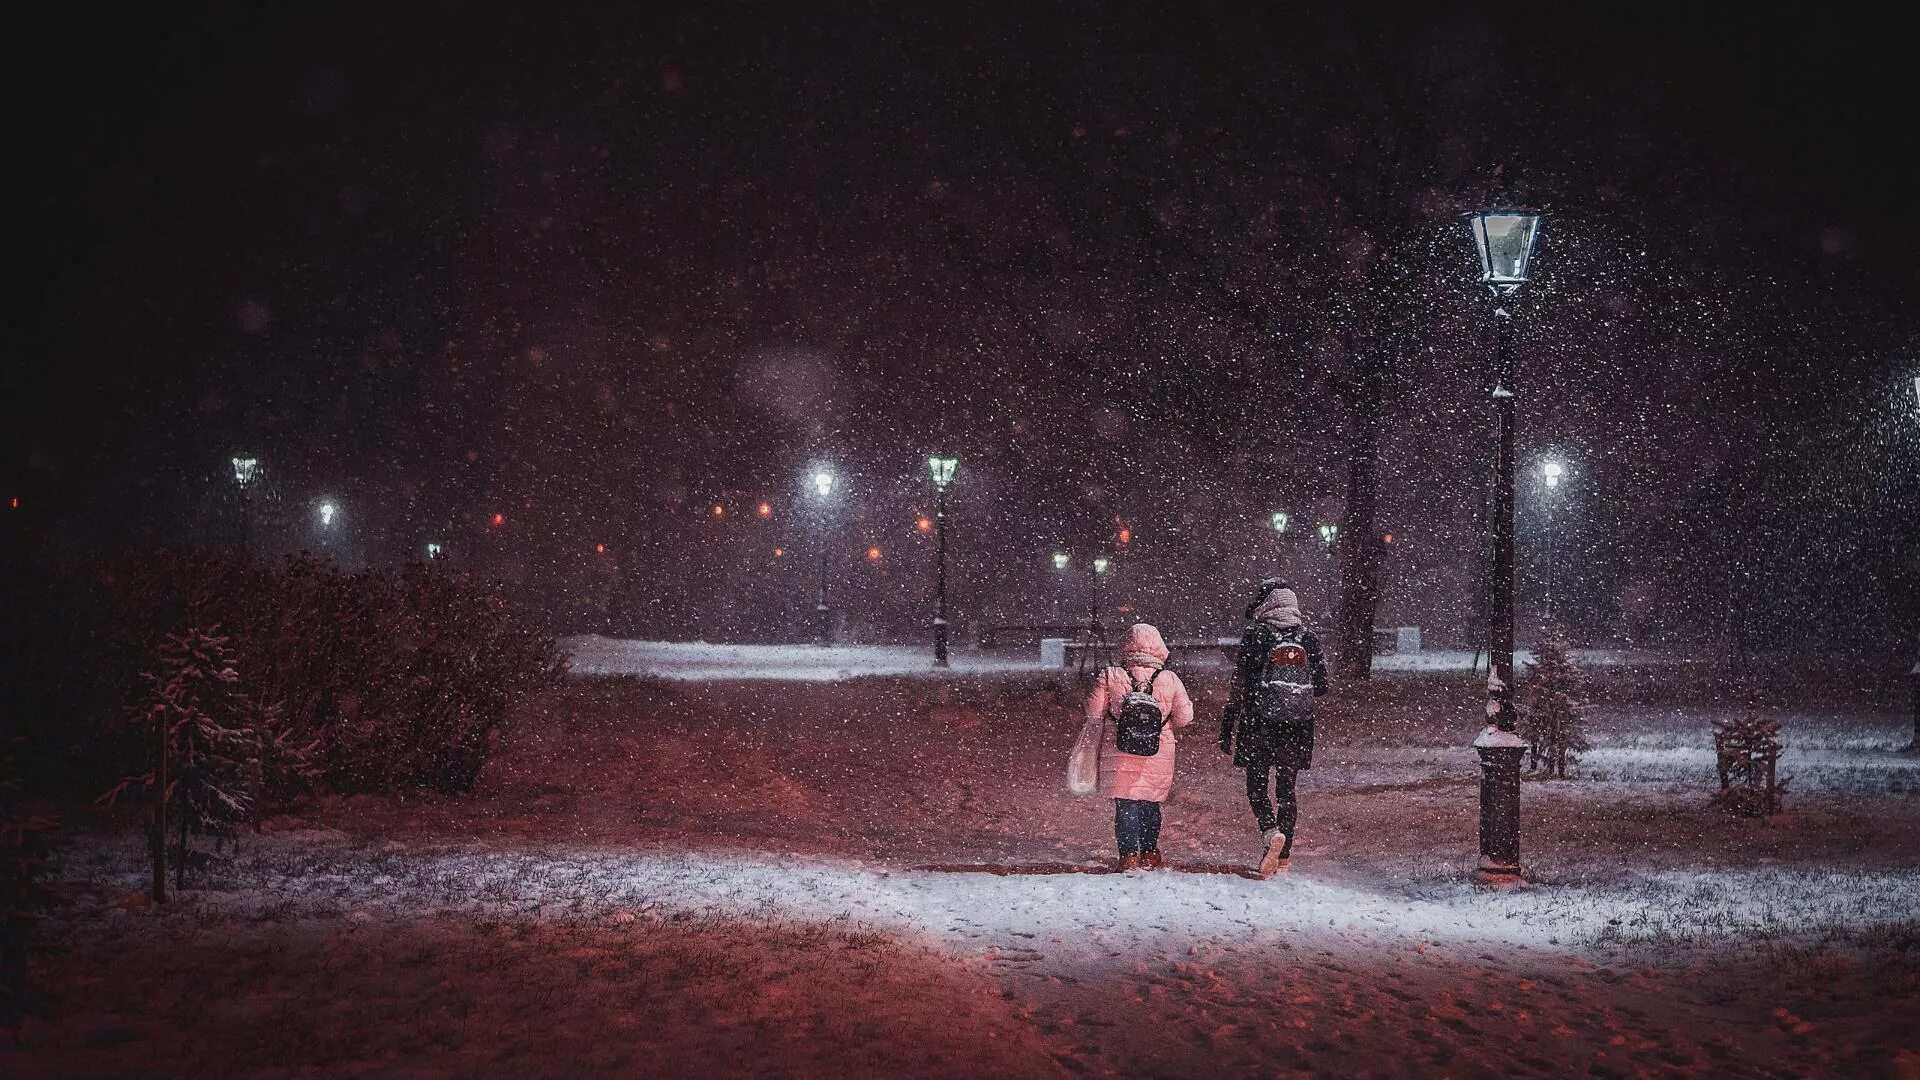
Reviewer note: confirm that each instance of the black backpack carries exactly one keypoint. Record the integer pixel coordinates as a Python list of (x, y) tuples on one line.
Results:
[(1137, 725), (1285, 690)]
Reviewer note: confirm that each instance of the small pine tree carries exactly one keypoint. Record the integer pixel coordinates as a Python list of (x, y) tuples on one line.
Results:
[(1747, 755), (205, 758), (23, 862), (1553, 703)]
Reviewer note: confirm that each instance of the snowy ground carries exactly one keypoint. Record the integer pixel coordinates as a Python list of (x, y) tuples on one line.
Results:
[(699, 661), (857, 877)]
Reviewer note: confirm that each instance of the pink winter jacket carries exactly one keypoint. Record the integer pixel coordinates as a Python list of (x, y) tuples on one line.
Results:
[(1130, 776)]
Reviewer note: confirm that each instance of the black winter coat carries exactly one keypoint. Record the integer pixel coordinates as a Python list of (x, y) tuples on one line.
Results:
[(1259, 730)]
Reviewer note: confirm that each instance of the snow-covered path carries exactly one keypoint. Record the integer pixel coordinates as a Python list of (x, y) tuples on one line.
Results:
[(892, 865)]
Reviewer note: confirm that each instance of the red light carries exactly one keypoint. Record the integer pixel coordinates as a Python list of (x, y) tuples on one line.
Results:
[(873, 554), (1126, 535), (600, 549), (499, 520), (1388, 538), (925, 524), (719, 511), (777, 552), (14, 502), (764, 510)]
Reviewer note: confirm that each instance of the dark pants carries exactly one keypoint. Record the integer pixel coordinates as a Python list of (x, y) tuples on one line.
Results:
[(1287, 813), (1136, 824)]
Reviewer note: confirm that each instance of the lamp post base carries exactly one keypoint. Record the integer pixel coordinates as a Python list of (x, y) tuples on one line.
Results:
[(940, 643), (1500, 753)]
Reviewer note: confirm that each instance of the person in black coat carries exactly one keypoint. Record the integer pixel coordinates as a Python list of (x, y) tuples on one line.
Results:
[(1268, 722)]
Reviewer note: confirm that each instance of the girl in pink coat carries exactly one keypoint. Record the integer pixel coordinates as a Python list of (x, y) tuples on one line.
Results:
[(1136, 783)]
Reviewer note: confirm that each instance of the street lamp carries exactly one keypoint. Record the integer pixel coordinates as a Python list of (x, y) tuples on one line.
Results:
[(1551, 471), (1060, 561), (942, 469), (246, 473), (1505, 241), (434, 549), (1100, 564), (1327, 535), (328, 511), (1280, 520), (823, 487)]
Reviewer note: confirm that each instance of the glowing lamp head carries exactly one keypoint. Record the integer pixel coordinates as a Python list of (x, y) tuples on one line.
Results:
[(246, 470), (1100, 564), (433, 550), (942, 469), (328, 511), (1280, 520), (499, 520), (923, 523), (1552, 471), (823, 483), (1060, 560), (1505, 241), (1328, 533), (599, 549), (765, 510), (873, 554)]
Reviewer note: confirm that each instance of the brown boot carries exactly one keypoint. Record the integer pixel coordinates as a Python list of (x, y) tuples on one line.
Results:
[(1129, 863), (1151, 860)]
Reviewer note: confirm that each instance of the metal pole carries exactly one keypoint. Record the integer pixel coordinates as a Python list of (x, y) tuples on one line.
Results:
[(1500, 683), (940, 619), (1499, 747), (1553, 529), (825, 614)]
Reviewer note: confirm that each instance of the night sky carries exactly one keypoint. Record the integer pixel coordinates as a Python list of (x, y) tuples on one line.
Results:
[(599, 274)]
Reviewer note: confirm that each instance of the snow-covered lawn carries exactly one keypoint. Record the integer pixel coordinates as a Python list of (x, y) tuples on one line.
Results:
[(885, 874), (699, 661)]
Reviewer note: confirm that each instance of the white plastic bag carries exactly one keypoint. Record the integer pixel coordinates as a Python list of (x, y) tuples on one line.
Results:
[(1083, 766)]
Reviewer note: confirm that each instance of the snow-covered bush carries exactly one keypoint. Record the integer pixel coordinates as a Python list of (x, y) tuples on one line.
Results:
[(1553, 701), (1747, 754), (202, 756), (23, 862), (354, 681)]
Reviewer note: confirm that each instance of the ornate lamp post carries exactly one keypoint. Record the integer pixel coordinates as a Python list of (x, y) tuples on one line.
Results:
[(823, 487), (942, 469), (1505, 241)]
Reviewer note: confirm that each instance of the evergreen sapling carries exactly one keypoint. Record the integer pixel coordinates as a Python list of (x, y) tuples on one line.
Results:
[(1553, 703), (205, 757)]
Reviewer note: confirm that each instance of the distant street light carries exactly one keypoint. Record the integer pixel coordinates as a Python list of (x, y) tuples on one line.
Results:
[(1551, 471), (1100, 564), (246, 474), (1328, 533), (328, 511), (1060, 585), (823, 489), (1504, 240), (1280, 520), (943, 470), (434, 549)]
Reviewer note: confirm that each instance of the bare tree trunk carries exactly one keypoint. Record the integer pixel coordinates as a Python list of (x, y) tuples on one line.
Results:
[(160, 819)]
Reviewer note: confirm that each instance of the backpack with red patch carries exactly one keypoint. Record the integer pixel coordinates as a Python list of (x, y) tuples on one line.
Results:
[(1137, 723), (1287, 681)]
